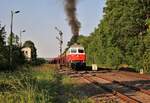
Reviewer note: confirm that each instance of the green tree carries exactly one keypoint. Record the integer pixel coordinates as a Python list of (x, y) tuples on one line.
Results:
[(73, 40), (146, 41), (17, 40), (18, 58), (13, 39), (121, 37), (3, 50)]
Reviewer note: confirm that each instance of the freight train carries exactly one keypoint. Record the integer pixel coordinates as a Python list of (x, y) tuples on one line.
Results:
[(74, 57)]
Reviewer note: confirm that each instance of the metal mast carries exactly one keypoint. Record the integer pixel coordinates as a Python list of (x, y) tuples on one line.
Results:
[(60, 39)]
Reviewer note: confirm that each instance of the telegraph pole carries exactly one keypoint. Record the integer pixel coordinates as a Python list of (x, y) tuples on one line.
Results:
[(60, 39)]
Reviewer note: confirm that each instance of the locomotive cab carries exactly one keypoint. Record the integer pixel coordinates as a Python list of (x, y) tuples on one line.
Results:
[(76, 56)]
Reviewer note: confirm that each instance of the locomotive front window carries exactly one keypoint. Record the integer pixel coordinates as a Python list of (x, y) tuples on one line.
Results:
[(73, 50), (80, 50)]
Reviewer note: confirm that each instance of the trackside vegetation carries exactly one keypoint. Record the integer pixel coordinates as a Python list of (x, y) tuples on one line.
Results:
[(122, 37), (39, 85), (18, 57)]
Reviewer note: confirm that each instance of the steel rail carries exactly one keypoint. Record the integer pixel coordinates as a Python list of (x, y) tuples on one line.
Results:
[(114, 92), (135, 75), (127, 85)]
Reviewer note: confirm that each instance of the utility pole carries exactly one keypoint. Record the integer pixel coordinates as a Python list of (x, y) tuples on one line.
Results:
[(11, 34), (60, 39), (21, 31)]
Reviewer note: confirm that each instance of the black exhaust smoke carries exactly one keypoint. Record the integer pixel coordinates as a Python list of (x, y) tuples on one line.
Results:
[(70, 9)]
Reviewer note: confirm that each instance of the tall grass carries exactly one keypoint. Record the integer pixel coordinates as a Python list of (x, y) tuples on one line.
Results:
[(19, 87), (39, 85)]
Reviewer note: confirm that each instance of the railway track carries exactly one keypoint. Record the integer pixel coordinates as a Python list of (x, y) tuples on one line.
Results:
[(112, 91), (135, 75), (141, 82), (127, 85), (140, 90), (111, 87)]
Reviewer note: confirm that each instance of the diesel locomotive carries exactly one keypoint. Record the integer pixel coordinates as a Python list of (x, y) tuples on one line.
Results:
[(74, 57)]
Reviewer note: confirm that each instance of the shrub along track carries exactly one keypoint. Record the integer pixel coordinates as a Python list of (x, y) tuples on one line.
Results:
[(109, 88)]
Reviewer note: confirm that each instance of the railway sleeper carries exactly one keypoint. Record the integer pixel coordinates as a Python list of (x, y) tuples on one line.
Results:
[(114, 92), (133, 87), (124, 84)]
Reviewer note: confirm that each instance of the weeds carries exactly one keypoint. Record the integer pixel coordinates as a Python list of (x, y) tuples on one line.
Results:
[(39, 85)]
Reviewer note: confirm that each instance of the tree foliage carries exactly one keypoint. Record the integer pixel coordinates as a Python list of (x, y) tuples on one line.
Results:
[(73, 40), (3, 50), (18, 57), (123, 35)]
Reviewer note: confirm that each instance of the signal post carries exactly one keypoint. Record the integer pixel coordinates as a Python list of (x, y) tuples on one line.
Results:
[(60, 39)]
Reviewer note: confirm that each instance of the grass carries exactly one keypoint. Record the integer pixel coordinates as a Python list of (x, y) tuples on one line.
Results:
[(39, 85)]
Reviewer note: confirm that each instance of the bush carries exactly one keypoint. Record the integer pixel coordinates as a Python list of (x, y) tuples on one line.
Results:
[(146, 61), (37, 62), (42, 85)]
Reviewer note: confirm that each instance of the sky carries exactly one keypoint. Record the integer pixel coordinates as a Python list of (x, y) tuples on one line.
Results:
[(40, 17)]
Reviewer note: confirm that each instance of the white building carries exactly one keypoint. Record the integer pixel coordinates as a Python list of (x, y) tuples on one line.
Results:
[(27, 53)]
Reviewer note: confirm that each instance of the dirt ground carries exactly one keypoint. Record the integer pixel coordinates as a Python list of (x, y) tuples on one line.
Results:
[(101, 85)]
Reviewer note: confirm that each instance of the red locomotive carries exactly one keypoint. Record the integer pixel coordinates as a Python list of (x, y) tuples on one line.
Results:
[(73, 57)]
